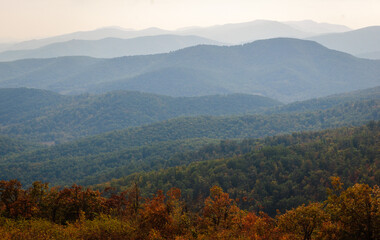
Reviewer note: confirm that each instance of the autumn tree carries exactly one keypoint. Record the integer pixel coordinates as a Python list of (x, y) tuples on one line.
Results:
[(221, 217), (10, 193), (303, 222), (257, 227), (356, 210), (124, 204), (164, 216)]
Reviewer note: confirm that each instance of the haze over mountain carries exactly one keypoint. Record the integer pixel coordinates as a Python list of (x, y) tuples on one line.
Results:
[(263, 29), (284, 69), (228, 33), (362, 42), (109, 47), (5, 46), (97, 34), (370, 55), (317, 28)]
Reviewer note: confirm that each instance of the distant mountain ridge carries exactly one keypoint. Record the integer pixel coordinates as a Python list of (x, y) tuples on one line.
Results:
[(97, 34), (370, 55), (362, 42), (110, 47), (283, 69), (317, 28), (235, 33)]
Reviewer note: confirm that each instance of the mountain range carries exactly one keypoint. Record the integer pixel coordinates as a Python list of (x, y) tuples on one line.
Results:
[(109, 47), (271, 121), (283, 69), (242, 32)]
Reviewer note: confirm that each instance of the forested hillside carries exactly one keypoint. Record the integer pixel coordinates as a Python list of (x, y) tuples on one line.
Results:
[(45, 116), (102, 157), (327, 102), (312, 185), (9, 146), (279, 172)]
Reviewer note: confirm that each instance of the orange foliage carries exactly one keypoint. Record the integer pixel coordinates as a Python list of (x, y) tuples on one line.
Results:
[(77, 213)]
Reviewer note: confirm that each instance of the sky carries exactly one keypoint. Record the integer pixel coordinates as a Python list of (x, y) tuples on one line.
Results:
[(31, 19)]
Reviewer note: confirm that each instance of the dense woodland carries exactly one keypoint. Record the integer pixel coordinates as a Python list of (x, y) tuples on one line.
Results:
[(255, 176), (40, 212), (45, 116), (278, 172), (125, 151)]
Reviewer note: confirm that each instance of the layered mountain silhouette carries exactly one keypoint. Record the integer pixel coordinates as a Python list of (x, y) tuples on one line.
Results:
[(109, 47), (284, 69), (317, 28), (97, 34), (235, 33), (363, 42)]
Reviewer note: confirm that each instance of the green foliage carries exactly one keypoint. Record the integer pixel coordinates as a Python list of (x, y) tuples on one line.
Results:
[(115, 154), (280, 172), (41, 115), (13, 146), (47, 117), (100, 158), (328, 102), (62, 165)]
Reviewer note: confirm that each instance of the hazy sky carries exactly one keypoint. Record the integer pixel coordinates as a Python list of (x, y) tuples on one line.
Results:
[(26, 19)]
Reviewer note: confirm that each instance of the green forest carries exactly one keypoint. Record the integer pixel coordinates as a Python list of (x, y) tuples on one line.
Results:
[(274, 173), (264, 171), (121, 151)]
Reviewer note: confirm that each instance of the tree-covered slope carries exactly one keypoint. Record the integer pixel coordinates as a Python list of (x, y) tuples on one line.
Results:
[(41, 115), (328, 102), (22, 104), (61, 167), (284, 69), (279, 172), (109, 153), (11, 146)]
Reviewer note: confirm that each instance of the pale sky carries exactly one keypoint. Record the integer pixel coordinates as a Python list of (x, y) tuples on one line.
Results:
[(28, 19)]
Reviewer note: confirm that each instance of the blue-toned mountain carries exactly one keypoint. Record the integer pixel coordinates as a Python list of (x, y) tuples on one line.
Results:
[(284, 69)]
